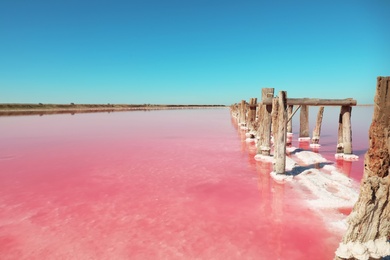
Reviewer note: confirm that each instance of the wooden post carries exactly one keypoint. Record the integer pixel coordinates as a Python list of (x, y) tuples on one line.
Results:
[(280, 133), (289, 114), (252, 113), (368, 224), (344, 139), (317, 129), (340, 145), (347, 130), (274, 116), (242, 112), (304, 122), (264, 118)]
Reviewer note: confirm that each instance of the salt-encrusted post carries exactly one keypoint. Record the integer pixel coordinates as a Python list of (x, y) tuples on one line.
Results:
[(347, 130), (340, 146), (304, 124), (344, 139), (252, 113), (369, 222), (317, 129), (280, 133), (264, 130), (242, 112)]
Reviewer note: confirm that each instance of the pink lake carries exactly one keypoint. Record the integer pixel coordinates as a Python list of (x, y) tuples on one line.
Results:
[(172, 184)]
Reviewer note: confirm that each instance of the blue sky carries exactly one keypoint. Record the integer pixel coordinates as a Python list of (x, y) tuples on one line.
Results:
[(190, 52)]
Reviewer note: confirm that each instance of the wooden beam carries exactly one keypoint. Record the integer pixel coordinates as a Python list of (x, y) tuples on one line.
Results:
[(290, 115), (293, 113), (315, 102)]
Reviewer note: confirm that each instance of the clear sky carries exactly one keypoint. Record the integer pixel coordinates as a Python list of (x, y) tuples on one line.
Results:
[(190, 51)]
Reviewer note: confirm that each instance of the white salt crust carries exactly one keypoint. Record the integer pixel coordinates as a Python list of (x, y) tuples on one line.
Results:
[(328, 188), (346, 157), (264, 158), (281, 178), (376, 249), (250, 140), (304, 139)]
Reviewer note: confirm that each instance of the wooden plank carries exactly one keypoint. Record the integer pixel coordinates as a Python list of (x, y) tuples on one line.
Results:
[(280, 134), (264, 118), (315, 102), (317, 129)]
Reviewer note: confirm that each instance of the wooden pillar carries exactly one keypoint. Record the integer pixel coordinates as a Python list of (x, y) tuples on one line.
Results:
[(344, 139), (304, 122), (280, 133), (264, 118), (242, 112), (347, 130), (368, 223), (252, 112), (274, 116), (340, 146), (317, 129), (289, 114)]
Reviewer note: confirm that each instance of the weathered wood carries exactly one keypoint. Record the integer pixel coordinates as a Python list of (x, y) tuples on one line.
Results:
[(242, 112), (317, 130), (315, 102), (280, 133), (252, 113), (293, 113), (340, 145), (274, 116), (347, 130), (290, 115), (264, 121), (304, 122), (369, 222)]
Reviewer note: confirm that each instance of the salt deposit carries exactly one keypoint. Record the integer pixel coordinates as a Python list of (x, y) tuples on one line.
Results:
[(377, 248)]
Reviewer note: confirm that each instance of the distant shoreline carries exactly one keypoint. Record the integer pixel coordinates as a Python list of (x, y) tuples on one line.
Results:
[(43, 109)]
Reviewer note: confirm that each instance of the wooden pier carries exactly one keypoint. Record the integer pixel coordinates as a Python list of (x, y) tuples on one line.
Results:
[(274, 118)]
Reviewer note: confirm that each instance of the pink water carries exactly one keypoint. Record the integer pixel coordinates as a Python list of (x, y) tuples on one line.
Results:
[(179, 184)]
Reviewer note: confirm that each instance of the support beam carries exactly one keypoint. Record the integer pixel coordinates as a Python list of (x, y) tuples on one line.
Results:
[(290, 115), (264, 118), (317, 129), (315, 102), (340, 145), (252, 113), (347, 130), (242, 112), (280, 133), (304, 122)]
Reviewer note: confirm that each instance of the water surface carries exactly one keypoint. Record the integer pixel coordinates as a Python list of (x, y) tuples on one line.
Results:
[(177, 184)]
